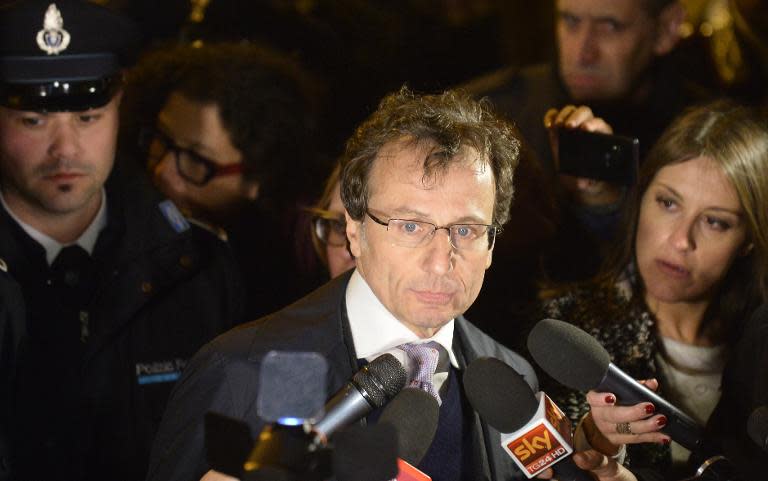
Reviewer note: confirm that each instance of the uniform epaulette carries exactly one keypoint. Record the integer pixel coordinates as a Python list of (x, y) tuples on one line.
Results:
[(217, 231), (174, 216)]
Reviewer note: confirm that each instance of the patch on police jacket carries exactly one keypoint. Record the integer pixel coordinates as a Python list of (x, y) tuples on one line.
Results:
[(154, 372), (3, 265), (173, 216)]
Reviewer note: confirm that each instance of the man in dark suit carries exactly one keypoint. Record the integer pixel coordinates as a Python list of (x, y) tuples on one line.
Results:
[(618, 58), (426, 184)]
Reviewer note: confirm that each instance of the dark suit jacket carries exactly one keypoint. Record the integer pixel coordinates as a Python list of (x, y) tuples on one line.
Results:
[(223, 377)]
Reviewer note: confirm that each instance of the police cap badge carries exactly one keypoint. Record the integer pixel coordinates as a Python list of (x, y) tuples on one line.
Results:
[(61, 55)]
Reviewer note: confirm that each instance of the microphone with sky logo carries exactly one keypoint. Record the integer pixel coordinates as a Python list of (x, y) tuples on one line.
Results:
[(534, 431)]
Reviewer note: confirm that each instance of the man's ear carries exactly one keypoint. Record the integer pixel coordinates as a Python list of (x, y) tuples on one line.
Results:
[(668, 24), (354, 233), (489, 259), (118, 98)]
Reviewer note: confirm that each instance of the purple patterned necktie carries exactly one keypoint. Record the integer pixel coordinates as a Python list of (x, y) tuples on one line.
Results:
[(424, 358)]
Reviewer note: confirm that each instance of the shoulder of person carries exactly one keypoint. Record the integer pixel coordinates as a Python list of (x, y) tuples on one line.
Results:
[(488, 83), (312, 323), (146, 206)]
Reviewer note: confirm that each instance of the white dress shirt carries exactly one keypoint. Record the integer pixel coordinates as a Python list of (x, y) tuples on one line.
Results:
[(87, 239), (376, 331)]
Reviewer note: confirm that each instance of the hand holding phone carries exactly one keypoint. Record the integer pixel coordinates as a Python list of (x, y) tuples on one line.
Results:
[(607, 157)]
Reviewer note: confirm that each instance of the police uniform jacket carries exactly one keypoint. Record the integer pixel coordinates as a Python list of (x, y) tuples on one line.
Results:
[(98, 361), (223, 377), (11, 330)]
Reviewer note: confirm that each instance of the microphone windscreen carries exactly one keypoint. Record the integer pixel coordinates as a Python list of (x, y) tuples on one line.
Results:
[(499, 394), (365, 453), (757, 427), (414, 414), (381, 379), (292, 386), (568, 354)]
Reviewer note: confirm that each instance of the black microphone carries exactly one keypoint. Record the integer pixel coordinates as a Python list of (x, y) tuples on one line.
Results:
[(365, 453), (404, 430), (577, 360), (505, 401), (414, 414), (720, 468), (715, 468), (370, 388), (757, 427), (302, 454), (301, 450)]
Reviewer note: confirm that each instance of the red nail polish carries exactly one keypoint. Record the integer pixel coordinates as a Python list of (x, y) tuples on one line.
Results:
[(610, 399), (665, 441), (649, 409), (661, 421)]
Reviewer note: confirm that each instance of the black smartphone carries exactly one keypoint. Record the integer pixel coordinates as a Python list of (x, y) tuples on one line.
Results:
[(612, 158)]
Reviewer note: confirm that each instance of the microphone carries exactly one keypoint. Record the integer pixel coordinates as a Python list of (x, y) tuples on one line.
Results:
[(716, 468), (357, 454), (403, 433), (294, 448), (292, 387), (414, 415), (302, 453), (577, 360), (720, 468), (370, 388), (757, 427), (365, 453), (540, 433)]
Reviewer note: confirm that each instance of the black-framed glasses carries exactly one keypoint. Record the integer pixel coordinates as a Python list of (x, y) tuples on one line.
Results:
[(329, 227), (413, 233), (192, 167)]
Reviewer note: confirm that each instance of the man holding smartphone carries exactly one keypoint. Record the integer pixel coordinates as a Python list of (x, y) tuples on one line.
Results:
[(614, 56)]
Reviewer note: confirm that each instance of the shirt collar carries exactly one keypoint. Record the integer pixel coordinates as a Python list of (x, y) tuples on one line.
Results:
[(376, 331), (87, 239)]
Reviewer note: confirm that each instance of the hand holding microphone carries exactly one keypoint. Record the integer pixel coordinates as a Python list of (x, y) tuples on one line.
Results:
[(619, 425), (577, 360)]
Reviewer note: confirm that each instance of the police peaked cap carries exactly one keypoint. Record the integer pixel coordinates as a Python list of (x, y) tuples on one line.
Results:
[(62, 55)]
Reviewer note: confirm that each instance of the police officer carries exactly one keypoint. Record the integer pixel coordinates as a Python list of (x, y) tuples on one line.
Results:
[(119, 289), (11, 329)]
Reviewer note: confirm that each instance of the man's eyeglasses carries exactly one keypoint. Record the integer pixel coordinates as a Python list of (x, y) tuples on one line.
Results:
[(413, 233), (192, 167), (329, 227)]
